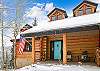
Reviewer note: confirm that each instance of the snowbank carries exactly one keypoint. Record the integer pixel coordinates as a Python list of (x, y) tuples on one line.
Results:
[(50, 67)]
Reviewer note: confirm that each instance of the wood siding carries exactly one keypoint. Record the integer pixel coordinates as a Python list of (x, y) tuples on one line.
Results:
[(57, 13), (98, 53), (40, 49), (23, 59), (98, 57), (78, 42), (37, 49)]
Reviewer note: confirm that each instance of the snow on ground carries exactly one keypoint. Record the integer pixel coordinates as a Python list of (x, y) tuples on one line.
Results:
[(50, 67)]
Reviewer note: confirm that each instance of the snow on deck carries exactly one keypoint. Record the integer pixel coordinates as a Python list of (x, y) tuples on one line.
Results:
[(66, 23), (51, 67)]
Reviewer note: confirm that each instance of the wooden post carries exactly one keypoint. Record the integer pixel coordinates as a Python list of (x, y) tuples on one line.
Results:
[(92, 10), (84, 9), (98, 57), (33, 49), (64, 48), (41, 52), (98, 52), (76, 13)]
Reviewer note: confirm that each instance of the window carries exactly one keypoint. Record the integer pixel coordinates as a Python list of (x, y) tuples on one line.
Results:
[(88, 11), (80, 13), (28, 35), (28, 47), (54, 18), (59, 17), (28, 39)]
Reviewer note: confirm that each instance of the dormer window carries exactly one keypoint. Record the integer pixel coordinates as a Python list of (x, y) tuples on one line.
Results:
[(57, 14), (58, 17), (86, 7)]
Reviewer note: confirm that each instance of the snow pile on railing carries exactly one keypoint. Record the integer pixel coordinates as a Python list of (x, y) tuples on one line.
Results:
[(79, 21)]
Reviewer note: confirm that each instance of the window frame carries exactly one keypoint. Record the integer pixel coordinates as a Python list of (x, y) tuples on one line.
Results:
[(27, 45), (89, 10), (59, 17), (79, 14), (54, 18)]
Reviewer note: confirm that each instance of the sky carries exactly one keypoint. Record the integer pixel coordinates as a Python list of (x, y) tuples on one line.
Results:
[(40, 8)]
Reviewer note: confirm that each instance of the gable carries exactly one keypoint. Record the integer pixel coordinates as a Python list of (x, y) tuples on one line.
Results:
[(86, 7), (57, 14), (86, 2), (56, 9)]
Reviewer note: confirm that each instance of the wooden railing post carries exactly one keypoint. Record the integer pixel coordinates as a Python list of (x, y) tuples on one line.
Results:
[(33, 49), (64, 48)]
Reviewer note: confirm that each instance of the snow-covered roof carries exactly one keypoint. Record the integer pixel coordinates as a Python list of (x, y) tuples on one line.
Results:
[(98, 8), (18, 36), (66, 23)]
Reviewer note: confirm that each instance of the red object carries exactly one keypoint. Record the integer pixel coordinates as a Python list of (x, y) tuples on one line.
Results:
[(21, 45)]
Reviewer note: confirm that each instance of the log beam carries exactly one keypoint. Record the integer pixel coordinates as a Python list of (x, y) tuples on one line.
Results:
[(64, 48), (33, 49)]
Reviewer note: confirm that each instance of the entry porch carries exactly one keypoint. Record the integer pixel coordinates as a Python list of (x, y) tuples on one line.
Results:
[(66, 47), (49, 48)]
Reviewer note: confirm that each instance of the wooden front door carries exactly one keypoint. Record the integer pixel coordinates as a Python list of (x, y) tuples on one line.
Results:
[(56, 50)]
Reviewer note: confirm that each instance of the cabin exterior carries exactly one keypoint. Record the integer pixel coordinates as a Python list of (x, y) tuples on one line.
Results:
[(78, 43)]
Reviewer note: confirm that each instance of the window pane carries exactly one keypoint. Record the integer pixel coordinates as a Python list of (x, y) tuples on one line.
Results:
[(54, 18), (88, 11), (28, 47), (59, 17), (80, 13)]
